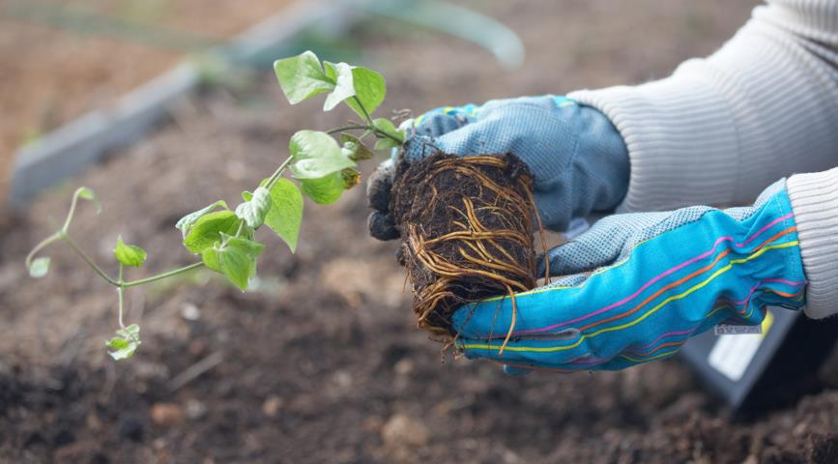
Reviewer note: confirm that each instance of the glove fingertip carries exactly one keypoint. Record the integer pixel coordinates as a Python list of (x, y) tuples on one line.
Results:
[(379, 186), (382, 226)]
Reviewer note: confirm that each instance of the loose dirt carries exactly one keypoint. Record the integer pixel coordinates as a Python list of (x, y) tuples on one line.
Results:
[(324, 363)]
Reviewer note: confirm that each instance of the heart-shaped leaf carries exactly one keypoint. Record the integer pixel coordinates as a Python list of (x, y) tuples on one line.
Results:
[(286, 212), (208, 228), (129, 255), (323, 191), (302, 77), (237, 260), (316, 154), (369, 88), (254, 210), (186, 222), (39, 267), (342, 75), (125, 343)]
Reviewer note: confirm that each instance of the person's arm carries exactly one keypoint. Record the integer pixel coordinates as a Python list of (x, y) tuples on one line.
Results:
[(721, 129), (814, 202)]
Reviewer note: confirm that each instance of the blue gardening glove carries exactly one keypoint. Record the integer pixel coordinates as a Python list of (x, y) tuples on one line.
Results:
[(637, 286), (577, 157)]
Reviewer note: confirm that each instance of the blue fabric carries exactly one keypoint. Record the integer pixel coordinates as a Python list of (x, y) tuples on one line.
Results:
[(578, 158), (644, 284)]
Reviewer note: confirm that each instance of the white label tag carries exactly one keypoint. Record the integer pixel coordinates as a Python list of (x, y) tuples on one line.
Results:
[(727, 329), (732, 354), (734, 351)]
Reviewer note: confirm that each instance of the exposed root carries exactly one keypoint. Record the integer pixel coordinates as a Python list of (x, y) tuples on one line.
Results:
[(467, 234)]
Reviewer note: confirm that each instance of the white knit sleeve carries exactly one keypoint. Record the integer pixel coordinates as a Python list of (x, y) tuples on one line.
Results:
[(721, 129), (814, 203)]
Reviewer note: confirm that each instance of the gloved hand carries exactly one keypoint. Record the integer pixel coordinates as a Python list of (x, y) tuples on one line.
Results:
[(638, 286), (576, 155)]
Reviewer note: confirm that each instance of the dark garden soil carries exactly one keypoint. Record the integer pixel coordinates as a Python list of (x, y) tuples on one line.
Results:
[(324, 363)]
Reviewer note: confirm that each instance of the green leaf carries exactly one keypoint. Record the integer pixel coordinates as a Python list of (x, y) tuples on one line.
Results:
[(210, 257), (237, 259), (88, 194), (351, 178), (325, 190), (385, 144), (39, 267), (362, 83), (129, 255), (254, 210), (302, 77), (208, 228), (342, 75), (117, 343), (286, 212), (125, 343), (186, 222), (386, 126), (353, 148), (315, 155), (369, 89)]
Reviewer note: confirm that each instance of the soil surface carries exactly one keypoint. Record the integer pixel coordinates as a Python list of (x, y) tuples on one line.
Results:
[(323, 363), (51, 73)]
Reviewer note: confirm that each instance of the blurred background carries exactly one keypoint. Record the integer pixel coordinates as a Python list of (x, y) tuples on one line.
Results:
[(322, 363)]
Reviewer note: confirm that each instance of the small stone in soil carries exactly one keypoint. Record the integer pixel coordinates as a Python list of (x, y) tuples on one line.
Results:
[(167, 414), (401, 430), (271, 406)]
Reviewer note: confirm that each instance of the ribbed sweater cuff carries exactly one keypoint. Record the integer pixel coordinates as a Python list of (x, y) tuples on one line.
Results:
[(666, 126), (719, 130), (814, 202)]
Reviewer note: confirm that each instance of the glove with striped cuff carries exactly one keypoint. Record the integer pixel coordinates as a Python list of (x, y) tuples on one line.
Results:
[(637, 286)]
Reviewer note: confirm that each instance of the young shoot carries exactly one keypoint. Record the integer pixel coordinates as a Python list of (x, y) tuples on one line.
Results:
[(222, 239)]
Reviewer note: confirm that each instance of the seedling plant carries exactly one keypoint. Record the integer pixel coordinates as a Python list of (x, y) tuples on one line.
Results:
[(320, 165)]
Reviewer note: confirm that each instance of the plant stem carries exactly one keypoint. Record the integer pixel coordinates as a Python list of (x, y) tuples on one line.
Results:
[(276, 175), (40, 246), (347, 128), (386, 135), (70, 214), (87, 259), (120, 283), (372, 128), (363, 110), (162, 276), (120, 291)]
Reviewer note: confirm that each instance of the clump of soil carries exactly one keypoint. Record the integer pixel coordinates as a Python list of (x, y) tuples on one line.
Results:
[(467, 232)]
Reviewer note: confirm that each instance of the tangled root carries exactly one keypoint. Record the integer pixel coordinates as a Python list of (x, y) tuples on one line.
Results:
[(467, 233)]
